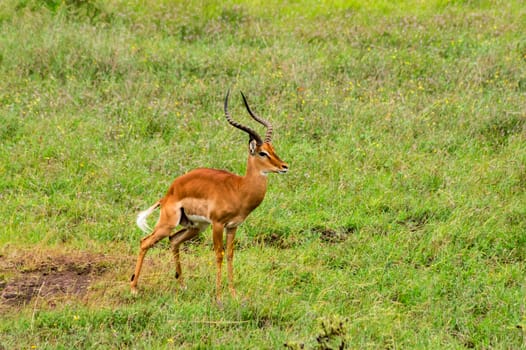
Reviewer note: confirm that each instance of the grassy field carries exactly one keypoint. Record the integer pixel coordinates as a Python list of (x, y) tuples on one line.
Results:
[(402, 221)]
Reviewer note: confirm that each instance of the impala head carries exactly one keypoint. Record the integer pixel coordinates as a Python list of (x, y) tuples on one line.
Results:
[(262, 155)]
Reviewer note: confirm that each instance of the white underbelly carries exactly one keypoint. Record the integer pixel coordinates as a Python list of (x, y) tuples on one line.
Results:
[(198, 219), (233, 224)]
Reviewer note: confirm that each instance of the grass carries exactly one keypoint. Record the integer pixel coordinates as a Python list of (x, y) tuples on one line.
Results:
[(400, 225)]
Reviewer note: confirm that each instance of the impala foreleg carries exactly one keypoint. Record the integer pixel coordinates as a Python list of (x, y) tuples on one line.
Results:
[(230, 235), (219, 251)]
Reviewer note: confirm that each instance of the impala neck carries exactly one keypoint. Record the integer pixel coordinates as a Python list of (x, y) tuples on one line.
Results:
[(254, 181)]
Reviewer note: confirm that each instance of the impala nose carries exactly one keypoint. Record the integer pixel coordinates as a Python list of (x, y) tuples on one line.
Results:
[(284, 168)]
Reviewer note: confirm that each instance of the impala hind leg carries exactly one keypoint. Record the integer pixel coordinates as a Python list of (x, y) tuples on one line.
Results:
[(160, 232), (175, 241)]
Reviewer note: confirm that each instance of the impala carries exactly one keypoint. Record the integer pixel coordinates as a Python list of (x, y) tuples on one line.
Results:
[(210, 196)]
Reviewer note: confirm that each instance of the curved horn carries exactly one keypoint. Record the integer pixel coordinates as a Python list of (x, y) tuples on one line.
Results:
[(253, 135), (266, 123)]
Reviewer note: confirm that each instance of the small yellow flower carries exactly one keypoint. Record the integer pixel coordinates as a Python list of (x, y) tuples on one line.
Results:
[(76, 317)]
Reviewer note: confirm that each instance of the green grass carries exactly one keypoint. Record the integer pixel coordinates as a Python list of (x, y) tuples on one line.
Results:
[(402, 221)]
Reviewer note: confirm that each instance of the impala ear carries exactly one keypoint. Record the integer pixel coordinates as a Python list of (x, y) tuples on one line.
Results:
[(252, 146)]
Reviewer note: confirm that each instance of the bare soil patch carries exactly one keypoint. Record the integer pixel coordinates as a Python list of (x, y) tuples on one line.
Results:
[(329, 235), (48, 276), (326, 235)]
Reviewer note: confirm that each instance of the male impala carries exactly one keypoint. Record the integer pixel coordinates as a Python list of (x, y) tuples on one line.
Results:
[(209, 196)]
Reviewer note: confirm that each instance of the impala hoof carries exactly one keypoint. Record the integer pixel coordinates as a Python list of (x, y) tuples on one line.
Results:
[(134, 290), (219, 304)]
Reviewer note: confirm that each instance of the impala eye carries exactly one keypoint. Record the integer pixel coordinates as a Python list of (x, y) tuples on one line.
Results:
[(263, 154)]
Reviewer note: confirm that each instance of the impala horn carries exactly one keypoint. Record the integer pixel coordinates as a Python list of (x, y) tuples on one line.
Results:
[(266, 123), (253, 135)]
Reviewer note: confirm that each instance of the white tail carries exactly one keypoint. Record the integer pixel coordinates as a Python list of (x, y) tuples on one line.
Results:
[(143, 215)]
